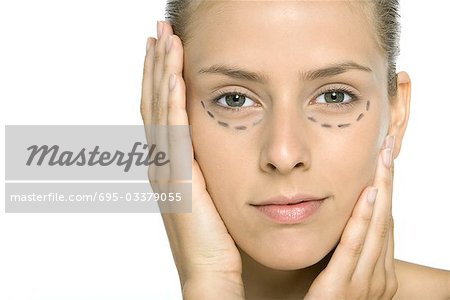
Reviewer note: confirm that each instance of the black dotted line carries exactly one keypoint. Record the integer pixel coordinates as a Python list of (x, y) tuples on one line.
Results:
[(225, 124), (343, 125), (325, 125), (361, 115)]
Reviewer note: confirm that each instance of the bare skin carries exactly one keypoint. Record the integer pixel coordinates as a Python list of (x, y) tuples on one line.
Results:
[(225, 248)]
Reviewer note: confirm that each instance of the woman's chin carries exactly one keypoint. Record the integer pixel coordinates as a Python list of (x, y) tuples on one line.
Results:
[(286, 257)]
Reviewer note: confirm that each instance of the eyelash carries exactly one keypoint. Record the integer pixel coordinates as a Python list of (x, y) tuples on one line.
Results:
[(335, 106), (219, 95)]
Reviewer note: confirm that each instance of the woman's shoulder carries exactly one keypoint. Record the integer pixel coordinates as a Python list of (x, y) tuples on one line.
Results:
[(420, 282)]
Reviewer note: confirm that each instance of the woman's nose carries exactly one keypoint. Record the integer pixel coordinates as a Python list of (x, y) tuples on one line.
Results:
[(285, 144)]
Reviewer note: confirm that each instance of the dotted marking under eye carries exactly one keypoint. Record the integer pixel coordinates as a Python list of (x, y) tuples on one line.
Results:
[(223, 124), (325, 125), (210, 114), (257, 122), (344, 125), (361, 115)]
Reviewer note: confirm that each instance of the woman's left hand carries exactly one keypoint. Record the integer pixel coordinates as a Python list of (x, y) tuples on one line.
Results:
[(362, 266)]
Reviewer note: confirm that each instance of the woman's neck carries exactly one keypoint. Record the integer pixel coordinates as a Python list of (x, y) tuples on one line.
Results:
[(261, 282)]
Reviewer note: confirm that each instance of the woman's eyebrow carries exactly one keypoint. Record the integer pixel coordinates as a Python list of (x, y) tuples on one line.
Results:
[(234, 72), (333, 70), (242, 74)]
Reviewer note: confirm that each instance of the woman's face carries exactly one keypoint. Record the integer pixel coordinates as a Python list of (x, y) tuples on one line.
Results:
[(311, 123)]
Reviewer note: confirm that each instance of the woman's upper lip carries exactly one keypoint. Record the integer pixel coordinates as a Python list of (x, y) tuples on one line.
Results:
[(285, 200)]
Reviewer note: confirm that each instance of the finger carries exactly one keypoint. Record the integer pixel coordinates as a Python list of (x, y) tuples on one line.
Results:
[(147, 94), (177, 97), (179, 133), (159, 100), (180, 143), (378, 281), (160, 172), (176, 135), (389, 262), (160, 103), (380, 224), (391, 277), (147, 82), (346, 255)]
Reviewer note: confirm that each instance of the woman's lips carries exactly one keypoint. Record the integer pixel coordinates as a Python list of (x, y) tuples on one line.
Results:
[(289, 210)]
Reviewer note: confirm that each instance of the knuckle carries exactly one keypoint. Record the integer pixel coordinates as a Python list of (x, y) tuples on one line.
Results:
[(167, 65), (364, 217), (354, 246), (382, 227), (158, 56), (392, 222), (158, 111), (144, 110)]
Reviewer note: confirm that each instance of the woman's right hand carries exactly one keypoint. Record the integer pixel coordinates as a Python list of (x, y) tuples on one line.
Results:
[(207, 259)]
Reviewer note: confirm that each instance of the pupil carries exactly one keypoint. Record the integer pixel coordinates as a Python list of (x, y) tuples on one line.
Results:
[(334, 97), (235, 100)]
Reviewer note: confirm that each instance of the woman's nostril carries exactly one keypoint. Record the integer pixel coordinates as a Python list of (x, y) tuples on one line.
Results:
[(298, 165)]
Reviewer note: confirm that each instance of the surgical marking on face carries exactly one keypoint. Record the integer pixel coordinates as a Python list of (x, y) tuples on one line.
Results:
[(342, 125), (223, 124), (361, 115), (257, 122), (210, 114)]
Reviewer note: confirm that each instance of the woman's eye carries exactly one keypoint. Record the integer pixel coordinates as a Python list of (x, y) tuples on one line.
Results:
[(334, 97), (235, 100)]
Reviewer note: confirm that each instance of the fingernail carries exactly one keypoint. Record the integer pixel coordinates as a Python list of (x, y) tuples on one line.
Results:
[(169, 43), (159, 28), (389, 142), (172, 81), (372, 195), (387, 157)]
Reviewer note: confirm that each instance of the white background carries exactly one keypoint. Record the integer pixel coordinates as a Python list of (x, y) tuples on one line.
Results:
[(80, 62)]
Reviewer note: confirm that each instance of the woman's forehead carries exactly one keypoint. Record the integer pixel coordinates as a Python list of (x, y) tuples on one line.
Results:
[(265, 32)]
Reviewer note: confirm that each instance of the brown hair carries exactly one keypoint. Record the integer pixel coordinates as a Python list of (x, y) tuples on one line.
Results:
[(179, 13)]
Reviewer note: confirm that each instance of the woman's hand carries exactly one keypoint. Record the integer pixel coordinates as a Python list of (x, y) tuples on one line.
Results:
[(207, 259), (362, 266)]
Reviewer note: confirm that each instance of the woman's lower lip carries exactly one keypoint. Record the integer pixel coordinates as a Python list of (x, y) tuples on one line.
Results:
[(290, 213)]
